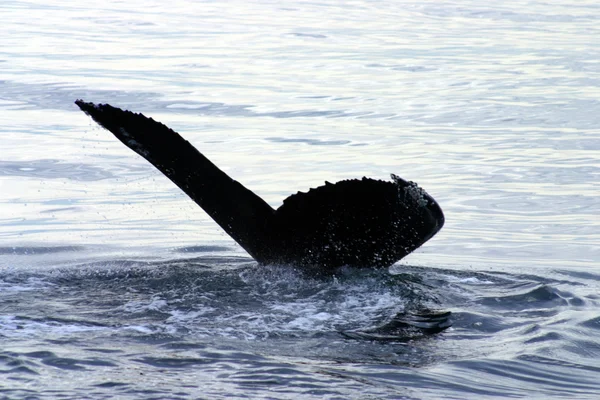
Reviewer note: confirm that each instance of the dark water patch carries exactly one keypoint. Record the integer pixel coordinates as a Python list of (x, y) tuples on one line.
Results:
[(59, 321), (63, 363), (401, 67), (112, 385), (518, 278), (50, 359), (537, 359), (316, 97), (40, 354), (151, 394), (11, 363), (97, 363), (128, 269), (405, 327), (306, 114), (583, 348), (201, 249), (56, 210), (308, 35), (593, 323), (312, 142), (285, 380), (548, 380), (546, 337), (540, 297), (422, 384), (21, 370), (184, 346), (105, 351), (477, 323), (173, 362), (580, 275)]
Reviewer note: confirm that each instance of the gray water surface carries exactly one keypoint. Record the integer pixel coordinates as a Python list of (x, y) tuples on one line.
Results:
[(113, 284)]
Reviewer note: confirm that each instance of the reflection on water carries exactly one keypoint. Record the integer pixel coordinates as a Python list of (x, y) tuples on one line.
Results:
[(52, 169), (493, 109)]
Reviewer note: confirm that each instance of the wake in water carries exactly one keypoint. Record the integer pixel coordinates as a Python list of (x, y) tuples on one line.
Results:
[(207, 297), (278, 326)]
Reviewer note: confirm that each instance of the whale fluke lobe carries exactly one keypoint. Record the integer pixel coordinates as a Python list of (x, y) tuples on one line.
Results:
[(359, 222), (236, 209)]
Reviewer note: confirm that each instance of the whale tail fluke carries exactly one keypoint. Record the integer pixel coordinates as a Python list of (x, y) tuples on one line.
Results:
[(358, 222), (240, 212)]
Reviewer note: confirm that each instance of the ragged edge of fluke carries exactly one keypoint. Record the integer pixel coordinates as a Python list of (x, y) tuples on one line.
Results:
[(358, 223)]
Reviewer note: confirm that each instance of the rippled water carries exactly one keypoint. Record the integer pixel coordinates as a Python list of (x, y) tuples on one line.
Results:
[(114, 284)]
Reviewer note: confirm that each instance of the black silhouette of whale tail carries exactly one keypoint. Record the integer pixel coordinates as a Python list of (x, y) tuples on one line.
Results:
[(361, 223), (236, 209)]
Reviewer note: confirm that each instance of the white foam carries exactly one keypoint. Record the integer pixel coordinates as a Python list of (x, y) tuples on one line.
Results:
[(31, 284), (135, 306), (13, 326)]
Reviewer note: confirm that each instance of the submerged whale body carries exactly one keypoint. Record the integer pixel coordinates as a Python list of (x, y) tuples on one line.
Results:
[(359, 222)]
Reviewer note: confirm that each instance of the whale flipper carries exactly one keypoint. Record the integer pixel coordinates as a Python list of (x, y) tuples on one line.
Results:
[(239, 211), (362, 223)]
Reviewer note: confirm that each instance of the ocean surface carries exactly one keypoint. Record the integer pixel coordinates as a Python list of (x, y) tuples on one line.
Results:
[(113, 284)]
